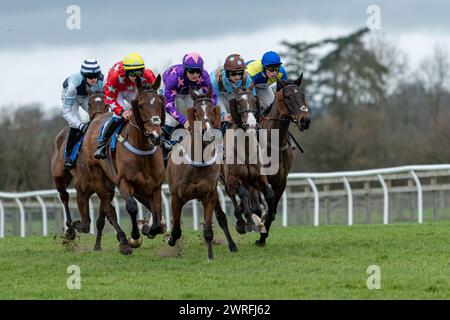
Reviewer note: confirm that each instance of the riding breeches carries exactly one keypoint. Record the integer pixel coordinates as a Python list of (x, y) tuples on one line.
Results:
[(265, 95), (182, 102), (71, 113)]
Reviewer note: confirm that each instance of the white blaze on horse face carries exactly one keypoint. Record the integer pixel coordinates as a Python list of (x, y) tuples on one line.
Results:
[(153, 100), (98, 99), (251, 120), (204, 105)]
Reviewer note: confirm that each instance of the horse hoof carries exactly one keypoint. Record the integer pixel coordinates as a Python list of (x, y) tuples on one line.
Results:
[(240, 228), (70, 234), (146, 231), (259, 224), (260, 243), (83, 228), (233, 248), (135, 243), (171, 242), (97, 248), (125, 249)]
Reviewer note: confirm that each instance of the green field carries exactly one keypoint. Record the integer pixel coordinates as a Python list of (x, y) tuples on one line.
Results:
[(327, 262)]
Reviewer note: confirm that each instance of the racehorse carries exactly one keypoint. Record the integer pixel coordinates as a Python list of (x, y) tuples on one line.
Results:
[(136, 166), (289, 106), (191, 179), (244, 171), (62, 177)]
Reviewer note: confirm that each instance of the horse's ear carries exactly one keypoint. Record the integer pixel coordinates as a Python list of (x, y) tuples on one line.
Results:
[(217, 117), (234, 111), (190, 117), (298, 82), (194, 94), (279, 85), (157, 83)]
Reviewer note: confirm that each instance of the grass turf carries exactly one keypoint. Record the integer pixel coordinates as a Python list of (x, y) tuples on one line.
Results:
[(326, 262)]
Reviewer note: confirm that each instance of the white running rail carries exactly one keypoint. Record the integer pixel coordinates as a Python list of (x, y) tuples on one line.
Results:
[(311, 179)]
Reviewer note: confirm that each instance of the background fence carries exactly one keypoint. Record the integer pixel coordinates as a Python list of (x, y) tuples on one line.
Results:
[(402, 194)]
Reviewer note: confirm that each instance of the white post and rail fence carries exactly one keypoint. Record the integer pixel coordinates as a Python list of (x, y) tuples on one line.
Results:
[(309, 195)]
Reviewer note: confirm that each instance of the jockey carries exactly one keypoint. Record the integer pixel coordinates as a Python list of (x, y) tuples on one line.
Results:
[(120, 86), (264, 73), (73, 96), (226, 79), (178, 81)]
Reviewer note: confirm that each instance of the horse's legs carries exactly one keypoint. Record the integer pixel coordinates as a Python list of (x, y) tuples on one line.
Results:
[(155, 207), (177, 207), (106, 196), (83, 206), (240, 223), (100, 226), (61, 185), (278, 193), (223, 223), (209, 204), (245, 200), (269, 196), (132, 209)]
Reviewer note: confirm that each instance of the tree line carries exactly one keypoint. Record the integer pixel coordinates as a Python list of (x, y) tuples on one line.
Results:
[(369, 109)]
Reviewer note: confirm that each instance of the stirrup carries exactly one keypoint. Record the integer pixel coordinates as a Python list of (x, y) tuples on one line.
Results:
[(68, 165), (100, 153)]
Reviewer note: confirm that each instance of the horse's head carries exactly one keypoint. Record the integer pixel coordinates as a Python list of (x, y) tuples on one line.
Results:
[(245, 109), (204, 110), (96, 103), (149, 110), (292, 102)]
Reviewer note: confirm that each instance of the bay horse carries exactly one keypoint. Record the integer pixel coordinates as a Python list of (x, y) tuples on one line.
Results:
[(62, 177), (289, 106), (136, 167), (244, 171), (190, 179)]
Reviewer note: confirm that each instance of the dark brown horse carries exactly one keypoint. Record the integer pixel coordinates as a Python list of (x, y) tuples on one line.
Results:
[(289, 106), (136, 167), (62, 177), (194, 179), (244, 171)]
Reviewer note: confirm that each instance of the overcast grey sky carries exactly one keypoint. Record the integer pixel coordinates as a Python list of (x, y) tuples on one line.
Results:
[(34, 37)]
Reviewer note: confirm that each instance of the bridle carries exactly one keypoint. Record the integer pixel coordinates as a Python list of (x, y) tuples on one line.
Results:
[(208, 100), (287, 117), (155, 120)]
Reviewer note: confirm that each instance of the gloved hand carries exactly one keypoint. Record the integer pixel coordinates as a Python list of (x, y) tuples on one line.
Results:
[(84, 127)]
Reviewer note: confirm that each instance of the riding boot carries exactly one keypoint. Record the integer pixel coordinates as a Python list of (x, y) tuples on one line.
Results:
[(72, 137), (108, 130), (167, 145)]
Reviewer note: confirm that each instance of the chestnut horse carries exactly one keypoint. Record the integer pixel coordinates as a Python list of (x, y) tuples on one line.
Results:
[(245, 171), (136, 167), (195, 179), (62, 177), (289, 106)]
